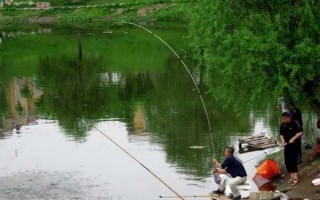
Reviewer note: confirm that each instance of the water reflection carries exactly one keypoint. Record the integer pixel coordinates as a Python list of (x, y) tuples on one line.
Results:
[(70, 92), (128, 86), (3, 101), (17, 106), (139, 121), (81, 86), (71, 95)]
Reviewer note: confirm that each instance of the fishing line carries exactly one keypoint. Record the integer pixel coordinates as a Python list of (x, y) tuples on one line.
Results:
[(109, 138), (186, 68), (190, 196)]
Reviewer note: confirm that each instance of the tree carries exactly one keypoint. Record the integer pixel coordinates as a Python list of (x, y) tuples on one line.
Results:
[(260, 45)]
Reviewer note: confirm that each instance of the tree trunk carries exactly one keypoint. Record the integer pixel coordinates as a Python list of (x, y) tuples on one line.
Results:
[(293, 25), (308, 89), (79, 47)]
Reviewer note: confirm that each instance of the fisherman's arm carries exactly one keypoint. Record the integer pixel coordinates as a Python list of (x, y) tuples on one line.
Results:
[(220, 170), (282, 140), (216, 163), (297, 135)]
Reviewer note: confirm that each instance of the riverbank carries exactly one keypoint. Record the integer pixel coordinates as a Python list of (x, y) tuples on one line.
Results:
[(92, 15), (308, 170)]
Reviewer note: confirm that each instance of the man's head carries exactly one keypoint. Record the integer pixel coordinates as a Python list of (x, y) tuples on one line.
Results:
[(229, 151), (285, 118)]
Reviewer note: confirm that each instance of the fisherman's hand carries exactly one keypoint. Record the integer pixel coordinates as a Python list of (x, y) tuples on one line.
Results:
[(214, 169), (215, 162), (218, 170), (291, 141)]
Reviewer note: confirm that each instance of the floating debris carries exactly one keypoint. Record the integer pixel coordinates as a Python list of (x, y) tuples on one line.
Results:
[(256, 142), (197, 147)]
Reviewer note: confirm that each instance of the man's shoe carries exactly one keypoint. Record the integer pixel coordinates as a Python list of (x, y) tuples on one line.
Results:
[(237, 197), (230, 196), (219, 192)]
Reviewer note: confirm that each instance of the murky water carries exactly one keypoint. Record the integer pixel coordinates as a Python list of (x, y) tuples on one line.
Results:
[(86, 115)]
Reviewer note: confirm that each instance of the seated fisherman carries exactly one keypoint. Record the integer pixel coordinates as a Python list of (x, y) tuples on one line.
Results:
[(234, 168)]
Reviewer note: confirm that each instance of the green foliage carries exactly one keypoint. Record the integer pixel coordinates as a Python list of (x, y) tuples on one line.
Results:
[(172, 14), (25, 92), (93, 12), (252, 47)]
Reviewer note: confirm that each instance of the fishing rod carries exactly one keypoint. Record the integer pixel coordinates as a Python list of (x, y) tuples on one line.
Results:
[(109, 138), (191, 196), (185, 67), (264, 153)]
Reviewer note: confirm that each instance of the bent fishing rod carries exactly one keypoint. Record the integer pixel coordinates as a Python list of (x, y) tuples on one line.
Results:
[(185, 67), (108, 137), (190, 196)]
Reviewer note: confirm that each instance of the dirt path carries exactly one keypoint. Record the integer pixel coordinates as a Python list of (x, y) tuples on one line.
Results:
[(308, 170)]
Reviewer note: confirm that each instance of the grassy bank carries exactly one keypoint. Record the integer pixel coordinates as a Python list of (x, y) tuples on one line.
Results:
[(94, 12)]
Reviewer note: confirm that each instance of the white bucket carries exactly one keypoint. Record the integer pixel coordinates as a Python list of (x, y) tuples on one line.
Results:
[(316, 181)]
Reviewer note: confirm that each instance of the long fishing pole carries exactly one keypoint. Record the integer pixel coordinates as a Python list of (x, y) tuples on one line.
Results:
[(190, 196), (264, 153), (186, 68), (110, 139)]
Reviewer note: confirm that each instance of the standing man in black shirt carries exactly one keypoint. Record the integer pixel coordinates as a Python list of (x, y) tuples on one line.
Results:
[(290, 135)]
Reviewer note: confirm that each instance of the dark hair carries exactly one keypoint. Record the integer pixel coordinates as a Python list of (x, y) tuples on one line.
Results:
[(230, 150), (285, 114)]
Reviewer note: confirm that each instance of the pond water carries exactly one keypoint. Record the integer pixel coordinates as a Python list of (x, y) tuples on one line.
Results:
[(112, 114)]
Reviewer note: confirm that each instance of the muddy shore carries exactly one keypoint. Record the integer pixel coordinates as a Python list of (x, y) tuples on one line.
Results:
[(308, 171)]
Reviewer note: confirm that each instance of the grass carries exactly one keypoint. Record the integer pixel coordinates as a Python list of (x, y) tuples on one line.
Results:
[(115, 10), (94, 2)]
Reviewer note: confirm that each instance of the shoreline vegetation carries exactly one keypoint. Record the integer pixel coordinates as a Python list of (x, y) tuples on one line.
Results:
[(93, 13)]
